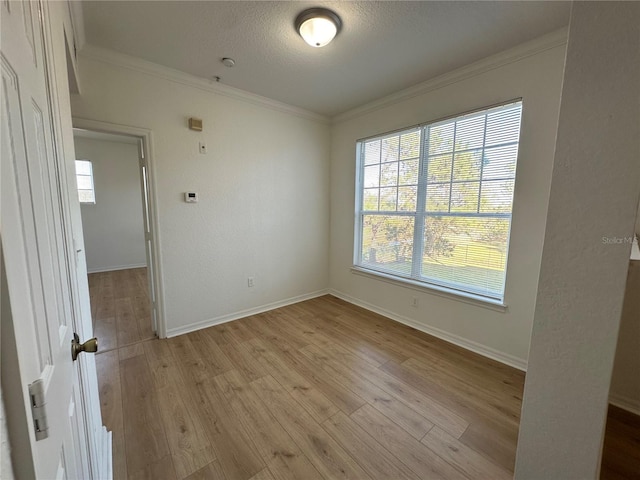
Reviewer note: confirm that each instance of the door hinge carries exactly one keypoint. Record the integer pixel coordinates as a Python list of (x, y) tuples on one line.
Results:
[(38, 411)]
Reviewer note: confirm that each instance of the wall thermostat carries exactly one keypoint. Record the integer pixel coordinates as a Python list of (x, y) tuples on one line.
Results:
[(191, 197)]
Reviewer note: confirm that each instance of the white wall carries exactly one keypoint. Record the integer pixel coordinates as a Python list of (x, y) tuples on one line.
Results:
[(625, 382), (594, 194), (263, 185), (6, 468), (537, 79), (16, 445), (113, 228)]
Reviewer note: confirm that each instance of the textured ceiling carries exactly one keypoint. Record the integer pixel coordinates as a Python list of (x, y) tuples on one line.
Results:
[(382, 48)]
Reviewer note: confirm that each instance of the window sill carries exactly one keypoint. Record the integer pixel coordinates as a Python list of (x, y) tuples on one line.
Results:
[(469, 298)]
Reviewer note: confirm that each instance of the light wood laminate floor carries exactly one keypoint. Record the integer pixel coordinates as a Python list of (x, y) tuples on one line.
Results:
[(120, 307), (621, 451), (319, 389)]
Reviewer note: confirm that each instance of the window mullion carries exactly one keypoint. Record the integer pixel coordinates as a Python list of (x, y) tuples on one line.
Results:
[(418, 230)]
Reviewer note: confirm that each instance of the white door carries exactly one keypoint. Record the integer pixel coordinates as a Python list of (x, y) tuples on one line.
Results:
[(34, 245)]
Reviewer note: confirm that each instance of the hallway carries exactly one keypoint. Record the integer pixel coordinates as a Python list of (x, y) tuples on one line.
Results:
[(120, 308)]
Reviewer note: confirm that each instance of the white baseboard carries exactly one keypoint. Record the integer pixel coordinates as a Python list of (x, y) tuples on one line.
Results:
[(174, 332), (113, 269), (629, 404), (483, 350)]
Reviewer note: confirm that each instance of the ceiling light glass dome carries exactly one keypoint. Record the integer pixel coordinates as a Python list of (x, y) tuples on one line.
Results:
[(318, 26)]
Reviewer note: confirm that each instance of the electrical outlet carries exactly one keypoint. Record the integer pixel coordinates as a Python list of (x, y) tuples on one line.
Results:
[(250, 281), (414, 302), (203, 148)]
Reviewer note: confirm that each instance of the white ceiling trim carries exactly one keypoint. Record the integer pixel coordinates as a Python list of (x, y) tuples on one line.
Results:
[(519, 52), (149, 68), (541, 44)]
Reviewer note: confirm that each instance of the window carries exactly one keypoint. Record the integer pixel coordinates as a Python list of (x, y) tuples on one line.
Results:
[(434, 202), (84, 178)]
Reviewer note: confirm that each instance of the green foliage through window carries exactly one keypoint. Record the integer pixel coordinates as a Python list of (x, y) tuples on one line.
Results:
[(434, 202)]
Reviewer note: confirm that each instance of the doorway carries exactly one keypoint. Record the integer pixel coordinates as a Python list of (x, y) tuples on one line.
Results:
[(114, 188)]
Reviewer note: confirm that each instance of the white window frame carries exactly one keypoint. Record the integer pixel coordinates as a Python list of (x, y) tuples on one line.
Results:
[(93, 185), (415, 280)]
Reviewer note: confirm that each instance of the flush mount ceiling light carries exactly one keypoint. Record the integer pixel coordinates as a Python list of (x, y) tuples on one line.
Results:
[(318, 26)]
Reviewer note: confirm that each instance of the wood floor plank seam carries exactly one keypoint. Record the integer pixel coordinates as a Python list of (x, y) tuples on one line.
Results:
[(141, 415), (124, 438), (163, 429), (431, 410), (412, 421), (313, 401), (342, 397), (414, 454), (283, 452), (211, 471), (324, 453), (224, 435), (377, 463), (188, 443), (458, 455)]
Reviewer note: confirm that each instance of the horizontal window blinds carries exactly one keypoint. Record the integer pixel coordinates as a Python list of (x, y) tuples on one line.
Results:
[(435, 201)]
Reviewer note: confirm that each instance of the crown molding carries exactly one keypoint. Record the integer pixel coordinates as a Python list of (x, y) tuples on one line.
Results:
[(515, 54), (121, 60)]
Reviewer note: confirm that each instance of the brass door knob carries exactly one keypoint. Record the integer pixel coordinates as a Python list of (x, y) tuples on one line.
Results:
[(90, 345)]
